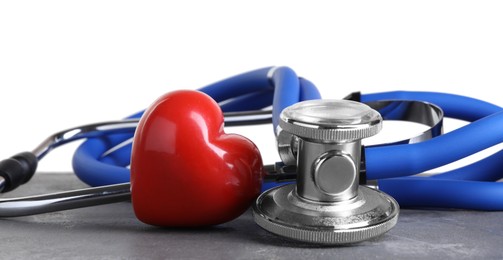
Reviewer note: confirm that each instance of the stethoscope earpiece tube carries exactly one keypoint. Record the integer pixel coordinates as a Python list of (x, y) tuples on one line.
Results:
[(17, 170)]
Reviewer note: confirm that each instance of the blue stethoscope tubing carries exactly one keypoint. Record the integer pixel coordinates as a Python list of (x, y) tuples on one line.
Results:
[(252, 90), (469, 187)]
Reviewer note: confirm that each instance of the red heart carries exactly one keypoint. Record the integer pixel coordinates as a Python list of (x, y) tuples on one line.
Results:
[(185, 170)]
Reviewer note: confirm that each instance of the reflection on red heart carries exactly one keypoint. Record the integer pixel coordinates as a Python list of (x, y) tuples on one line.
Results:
[(185, 170)]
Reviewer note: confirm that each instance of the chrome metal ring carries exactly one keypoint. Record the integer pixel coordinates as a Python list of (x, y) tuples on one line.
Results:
[(400, 110)]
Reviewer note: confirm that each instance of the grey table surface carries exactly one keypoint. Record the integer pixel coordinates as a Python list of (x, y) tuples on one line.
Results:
[(113, 232)]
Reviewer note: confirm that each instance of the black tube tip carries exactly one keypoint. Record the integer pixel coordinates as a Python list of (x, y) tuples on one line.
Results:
[(18, 170)]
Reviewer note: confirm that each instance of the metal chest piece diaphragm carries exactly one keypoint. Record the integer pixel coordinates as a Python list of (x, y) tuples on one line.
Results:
[(326, 205)]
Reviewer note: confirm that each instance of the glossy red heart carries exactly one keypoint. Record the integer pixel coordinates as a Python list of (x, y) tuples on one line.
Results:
[(185, 170)]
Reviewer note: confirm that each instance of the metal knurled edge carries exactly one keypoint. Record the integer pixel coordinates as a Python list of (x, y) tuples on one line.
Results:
[(336, 134), (328, 237)]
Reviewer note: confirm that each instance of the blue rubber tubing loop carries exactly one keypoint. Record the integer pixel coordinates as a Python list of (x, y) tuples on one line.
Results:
[(286, 92), (487, 169), (122, 156), (251, 90), (251, 101), (468, 187), (248, 91), (454, 106), (471, 110), (403, 160), (95, 170), (239, 85), (424, 192), (308, 90)]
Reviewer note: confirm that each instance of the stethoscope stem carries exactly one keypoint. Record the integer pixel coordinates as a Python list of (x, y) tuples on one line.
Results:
[(2, 183), (24, 206), (39, 204), (22, 166), (255, 117), (31, 205), (84, 131)]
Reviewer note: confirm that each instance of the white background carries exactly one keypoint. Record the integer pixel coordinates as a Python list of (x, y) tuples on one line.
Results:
[(66, 63)]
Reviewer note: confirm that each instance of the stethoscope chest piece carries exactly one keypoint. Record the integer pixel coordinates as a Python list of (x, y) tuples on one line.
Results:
[(327, 205)]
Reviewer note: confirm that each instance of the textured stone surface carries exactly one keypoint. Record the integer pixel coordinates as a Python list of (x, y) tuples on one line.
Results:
[(112, 231)]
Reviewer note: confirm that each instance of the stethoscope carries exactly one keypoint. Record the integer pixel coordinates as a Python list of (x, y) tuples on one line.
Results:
[(315, 138)]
